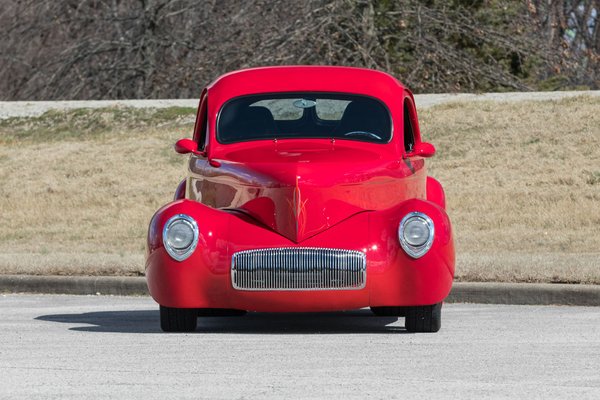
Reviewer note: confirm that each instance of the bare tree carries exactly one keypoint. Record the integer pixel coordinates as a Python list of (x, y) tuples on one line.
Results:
[(84, 49), (136, 48), (571, 29)]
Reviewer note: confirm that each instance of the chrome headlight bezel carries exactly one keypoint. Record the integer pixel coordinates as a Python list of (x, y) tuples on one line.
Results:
[(411, 250), (184, 253)]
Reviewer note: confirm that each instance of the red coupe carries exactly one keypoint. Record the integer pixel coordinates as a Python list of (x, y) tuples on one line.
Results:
[(306, 191)]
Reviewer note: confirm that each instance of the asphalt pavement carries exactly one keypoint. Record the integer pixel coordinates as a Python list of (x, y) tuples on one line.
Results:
[(58, 346)]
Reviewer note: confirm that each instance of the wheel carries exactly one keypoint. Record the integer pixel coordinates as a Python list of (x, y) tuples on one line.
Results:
[(178, 319), (424, 318), (389, 311)]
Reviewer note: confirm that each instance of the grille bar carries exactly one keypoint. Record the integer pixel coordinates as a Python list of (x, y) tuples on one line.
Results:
[(299, 268)]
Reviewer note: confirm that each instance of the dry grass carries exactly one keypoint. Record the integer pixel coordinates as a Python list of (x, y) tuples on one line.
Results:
[(522, 187), (522, 181), (81, 204)]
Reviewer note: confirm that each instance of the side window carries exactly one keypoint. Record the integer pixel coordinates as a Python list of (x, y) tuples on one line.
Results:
[(202, 125), (409, 133)]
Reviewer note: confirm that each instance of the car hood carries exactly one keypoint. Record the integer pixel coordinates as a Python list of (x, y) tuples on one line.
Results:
[(301, 191)]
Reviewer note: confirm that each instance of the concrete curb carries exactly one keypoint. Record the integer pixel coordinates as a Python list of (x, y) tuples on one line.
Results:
[(85, 285), (525, 293), (462, 292)]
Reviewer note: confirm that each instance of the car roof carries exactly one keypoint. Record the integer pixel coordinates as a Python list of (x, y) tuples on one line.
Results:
[(305, 79)]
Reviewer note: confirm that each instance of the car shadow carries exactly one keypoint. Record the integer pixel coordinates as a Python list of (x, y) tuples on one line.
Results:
[(137, 321), (148, 321)]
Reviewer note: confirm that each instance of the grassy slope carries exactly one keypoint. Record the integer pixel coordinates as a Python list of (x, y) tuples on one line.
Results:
[(522, 181), (523, 187)]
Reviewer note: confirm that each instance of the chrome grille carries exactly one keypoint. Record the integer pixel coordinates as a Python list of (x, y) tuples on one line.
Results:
[(298, 268)]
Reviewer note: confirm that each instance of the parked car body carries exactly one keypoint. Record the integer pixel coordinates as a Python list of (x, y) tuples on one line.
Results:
[(306, 191)]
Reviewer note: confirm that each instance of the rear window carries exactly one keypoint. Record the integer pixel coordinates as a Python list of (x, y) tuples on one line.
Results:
[(304, 115)]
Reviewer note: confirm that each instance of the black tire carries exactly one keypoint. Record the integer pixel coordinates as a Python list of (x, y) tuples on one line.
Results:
[(389, 311), (178, 319), (424, 318)]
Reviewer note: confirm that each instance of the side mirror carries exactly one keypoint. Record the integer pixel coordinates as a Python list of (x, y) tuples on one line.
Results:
[(423, 149), (185, 146)]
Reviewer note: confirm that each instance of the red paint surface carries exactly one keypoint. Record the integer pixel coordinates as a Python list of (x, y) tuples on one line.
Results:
[(302, 187), (305, 192)]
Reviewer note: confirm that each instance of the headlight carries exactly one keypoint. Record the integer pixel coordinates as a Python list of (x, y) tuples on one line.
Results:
[(416, 234), (180, 236)]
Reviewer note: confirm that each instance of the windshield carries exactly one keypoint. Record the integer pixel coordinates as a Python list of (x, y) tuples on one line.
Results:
[(304, 115)]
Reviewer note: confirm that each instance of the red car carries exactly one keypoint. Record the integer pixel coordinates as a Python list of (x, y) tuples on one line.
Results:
[(306, 191)]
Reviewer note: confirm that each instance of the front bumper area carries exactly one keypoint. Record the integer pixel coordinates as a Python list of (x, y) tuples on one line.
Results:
[(392, 279)]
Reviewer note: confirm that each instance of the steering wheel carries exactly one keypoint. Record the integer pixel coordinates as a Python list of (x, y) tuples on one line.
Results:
[(362, 133)]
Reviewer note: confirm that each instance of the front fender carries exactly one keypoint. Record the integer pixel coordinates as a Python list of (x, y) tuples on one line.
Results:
[(426, 280), (173, 282), (180, 191), (435, 192)]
